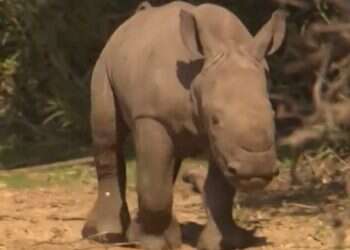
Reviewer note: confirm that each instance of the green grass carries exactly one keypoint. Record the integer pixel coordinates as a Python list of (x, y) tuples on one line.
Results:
[(30, 178), (17, 181), (67, 176)]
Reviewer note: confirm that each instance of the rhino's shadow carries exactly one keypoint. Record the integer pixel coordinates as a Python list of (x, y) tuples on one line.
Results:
[(191, 232)]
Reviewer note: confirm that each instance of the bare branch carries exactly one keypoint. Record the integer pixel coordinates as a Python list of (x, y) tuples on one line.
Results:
[(331, 28), (295, 3), (319, 105)]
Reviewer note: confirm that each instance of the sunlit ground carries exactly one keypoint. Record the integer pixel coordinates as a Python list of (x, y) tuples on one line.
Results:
[(45, 208)]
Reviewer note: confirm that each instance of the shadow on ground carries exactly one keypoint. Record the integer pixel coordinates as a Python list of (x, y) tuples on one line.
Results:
[(306, 200), (191, 233)]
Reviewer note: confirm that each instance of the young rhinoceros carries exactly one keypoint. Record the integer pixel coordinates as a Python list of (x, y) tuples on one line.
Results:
[(181, 79)]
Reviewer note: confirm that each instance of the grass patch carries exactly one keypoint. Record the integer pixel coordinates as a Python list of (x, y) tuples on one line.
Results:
[(17, 181), (30, 178), (66, 175)]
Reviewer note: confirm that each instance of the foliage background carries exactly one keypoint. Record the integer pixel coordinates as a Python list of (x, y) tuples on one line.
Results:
[(48, 49)]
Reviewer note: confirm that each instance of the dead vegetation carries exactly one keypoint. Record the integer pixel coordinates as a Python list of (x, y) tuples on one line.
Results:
[(313, 116), (317, 56)]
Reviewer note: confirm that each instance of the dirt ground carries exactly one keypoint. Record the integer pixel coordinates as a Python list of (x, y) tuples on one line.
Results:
[(40, 217)]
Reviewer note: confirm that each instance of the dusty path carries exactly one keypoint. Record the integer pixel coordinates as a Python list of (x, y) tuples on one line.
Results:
[(51, 217)]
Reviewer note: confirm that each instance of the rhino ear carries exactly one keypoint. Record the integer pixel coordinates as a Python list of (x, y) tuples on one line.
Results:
[(270, 36), (190, 33)]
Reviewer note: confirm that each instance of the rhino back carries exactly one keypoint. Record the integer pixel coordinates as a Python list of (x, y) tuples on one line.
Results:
[(141, 58)]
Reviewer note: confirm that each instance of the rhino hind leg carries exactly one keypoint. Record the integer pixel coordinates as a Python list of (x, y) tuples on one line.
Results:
[(109, 218), (221, 232), (155, 225)]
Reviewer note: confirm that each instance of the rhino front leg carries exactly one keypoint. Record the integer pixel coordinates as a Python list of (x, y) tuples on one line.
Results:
[(156, 163), (109, 219), (221, 232)]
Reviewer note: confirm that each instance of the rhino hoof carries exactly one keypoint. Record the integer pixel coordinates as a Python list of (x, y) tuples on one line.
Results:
[(90, 232), (105, 234), (170, 240)]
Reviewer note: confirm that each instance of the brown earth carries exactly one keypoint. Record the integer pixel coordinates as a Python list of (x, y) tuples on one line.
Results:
[(50, 217)]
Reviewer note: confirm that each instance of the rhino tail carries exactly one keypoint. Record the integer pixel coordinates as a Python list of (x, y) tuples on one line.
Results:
[(195, 178)]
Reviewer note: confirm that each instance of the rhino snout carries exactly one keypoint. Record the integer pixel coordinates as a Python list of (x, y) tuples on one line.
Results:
[(252, 170)]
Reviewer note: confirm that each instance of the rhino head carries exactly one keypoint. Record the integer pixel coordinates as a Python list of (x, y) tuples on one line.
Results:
[(230, 95)]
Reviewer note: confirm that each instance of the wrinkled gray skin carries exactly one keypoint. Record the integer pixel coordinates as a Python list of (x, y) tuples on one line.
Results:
[(181, 80)]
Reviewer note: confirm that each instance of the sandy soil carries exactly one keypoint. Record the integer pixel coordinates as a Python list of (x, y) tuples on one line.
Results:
[(51, 217)]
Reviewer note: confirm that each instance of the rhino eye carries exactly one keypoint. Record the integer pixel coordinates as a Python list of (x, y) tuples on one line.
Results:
[(215, 120)]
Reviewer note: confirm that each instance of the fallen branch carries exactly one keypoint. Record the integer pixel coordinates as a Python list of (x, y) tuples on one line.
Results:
[(299, 205), (72, 218), (79, 161)]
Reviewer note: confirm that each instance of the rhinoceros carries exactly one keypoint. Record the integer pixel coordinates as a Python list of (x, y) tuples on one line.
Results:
[(181, 80)]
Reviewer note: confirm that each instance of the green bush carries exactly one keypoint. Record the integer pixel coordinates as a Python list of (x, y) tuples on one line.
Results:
[(48, 49)]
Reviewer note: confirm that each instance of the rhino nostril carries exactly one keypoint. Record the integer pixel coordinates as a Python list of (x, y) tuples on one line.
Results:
[(232, 171), (215, 120)]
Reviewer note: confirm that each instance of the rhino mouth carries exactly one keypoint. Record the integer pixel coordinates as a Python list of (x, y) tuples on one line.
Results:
[(262, 149), (245, 181), (253, 184), (250, 182)]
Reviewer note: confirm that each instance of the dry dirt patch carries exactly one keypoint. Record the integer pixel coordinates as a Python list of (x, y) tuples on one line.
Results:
[(51, 216)]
